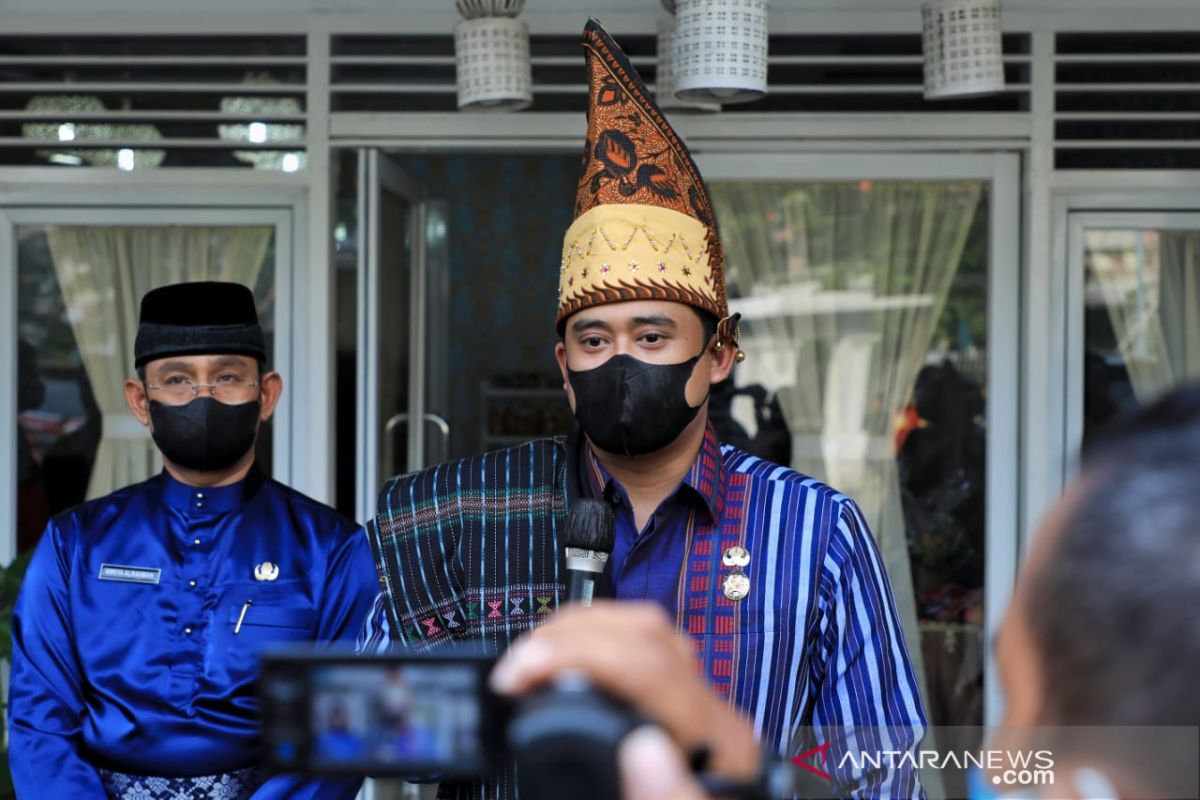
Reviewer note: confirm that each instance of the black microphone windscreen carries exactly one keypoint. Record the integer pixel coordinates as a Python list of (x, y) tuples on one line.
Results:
[(590, 526)]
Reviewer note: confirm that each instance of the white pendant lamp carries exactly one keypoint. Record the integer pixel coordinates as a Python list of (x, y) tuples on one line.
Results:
[(964, 55), (664, 80), (491, 53), (720, 50)]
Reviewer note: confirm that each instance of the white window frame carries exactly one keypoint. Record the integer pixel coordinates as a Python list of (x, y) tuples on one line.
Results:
[(1079, 222), (1052, 371)]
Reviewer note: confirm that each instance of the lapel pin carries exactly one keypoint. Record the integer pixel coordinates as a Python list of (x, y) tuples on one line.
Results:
[(736, 557), (736, 583), (266, 571)]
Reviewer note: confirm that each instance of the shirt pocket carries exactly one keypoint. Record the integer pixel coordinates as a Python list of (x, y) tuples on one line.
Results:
[(272, 622), (236, 650)]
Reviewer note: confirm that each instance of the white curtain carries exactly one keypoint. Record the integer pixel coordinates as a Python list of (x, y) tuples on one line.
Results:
[(841, 286), (1149, 284), (1181, 315), (103, 272)]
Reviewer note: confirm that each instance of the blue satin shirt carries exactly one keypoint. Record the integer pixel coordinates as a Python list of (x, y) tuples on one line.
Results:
[(127, 652)]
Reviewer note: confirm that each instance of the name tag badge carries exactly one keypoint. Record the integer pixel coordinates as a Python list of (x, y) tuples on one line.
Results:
[(118, 572)]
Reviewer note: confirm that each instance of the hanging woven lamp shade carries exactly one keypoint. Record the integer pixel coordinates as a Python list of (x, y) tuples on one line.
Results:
[(964, 54), (664, 81), (720, 49), (491, 53)]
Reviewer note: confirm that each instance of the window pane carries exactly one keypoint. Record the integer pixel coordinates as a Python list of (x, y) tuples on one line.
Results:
[(864, 318), (1142, 317), (80, 287)]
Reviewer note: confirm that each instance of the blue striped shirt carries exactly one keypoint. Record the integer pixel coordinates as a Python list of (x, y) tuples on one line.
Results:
[(814, 653)]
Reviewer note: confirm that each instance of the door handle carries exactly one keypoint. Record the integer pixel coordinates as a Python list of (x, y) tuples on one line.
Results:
[(389, 444)]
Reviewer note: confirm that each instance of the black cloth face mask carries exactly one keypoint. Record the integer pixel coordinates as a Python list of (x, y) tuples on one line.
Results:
[(205, 434), (633, 407)]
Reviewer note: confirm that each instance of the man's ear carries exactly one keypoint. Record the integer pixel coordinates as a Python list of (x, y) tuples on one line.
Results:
[(270, 390), (138, 401), (722, 361), (560, 354)]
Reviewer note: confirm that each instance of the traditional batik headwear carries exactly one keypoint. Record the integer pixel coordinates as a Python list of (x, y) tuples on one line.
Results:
[(644, 226)]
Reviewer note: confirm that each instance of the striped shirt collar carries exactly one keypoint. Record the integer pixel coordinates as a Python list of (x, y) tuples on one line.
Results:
[(706, 477)]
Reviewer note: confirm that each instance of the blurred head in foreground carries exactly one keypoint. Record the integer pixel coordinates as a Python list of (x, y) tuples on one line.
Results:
[(1104, 628)]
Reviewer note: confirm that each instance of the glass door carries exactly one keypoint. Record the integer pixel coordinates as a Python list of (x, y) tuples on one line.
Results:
[(1134, 320), (75, 284), (393, 370), (879, 311)]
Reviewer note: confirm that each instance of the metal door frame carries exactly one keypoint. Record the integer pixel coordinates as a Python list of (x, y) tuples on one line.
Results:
[(378, 173)]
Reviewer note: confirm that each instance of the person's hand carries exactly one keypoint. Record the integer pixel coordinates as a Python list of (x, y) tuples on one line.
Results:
[(633, 652), (652, 768)]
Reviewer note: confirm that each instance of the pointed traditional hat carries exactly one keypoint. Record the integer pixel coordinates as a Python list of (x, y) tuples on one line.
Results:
[(644, 226)]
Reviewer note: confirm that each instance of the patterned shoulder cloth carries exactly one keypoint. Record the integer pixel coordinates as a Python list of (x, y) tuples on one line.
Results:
[(469, 550)]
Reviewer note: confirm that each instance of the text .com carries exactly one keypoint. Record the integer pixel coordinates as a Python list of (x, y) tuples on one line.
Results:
[(1024, 777)]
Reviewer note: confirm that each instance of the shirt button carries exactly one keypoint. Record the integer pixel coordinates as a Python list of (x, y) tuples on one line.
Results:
[(192, 584), (188, 631), (195, 541), (199, 495), (199, 505)]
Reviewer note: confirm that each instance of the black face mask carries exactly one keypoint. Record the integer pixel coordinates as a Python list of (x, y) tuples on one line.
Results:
[(632, 407), (205, 434)]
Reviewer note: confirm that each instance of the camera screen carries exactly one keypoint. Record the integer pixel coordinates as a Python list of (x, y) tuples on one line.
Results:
[(397, 715)]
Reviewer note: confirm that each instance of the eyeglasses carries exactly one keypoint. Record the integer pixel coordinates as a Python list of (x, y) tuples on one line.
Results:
[(229, 389)]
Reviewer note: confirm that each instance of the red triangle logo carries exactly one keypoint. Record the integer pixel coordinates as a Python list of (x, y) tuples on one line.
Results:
[(813, 760)]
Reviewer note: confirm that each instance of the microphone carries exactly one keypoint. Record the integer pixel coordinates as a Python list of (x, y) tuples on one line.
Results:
[(589, 541), (564, 738)]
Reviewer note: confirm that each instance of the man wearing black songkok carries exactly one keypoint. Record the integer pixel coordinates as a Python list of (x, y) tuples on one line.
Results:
[(138, 630)]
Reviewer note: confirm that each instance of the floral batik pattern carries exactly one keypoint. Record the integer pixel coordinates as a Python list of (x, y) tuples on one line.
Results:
[(239, 785)]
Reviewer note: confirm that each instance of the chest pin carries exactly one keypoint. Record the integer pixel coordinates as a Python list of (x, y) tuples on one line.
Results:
[(736, 583), (266, 571)]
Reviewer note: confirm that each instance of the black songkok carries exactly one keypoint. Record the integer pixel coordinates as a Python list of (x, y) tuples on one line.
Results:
[(206, 318)]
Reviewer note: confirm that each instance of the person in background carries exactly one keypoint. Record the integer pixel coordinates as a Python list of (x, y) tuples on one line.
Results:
[(139, 626)]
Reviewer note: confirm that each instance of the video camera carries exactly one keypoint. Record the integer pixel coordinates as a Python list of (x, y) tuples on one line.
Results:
[(432, 717)]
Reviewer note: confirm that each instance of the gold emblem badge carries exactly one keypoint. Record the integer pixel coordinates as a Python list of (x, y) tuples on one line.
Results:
[(266, 571)]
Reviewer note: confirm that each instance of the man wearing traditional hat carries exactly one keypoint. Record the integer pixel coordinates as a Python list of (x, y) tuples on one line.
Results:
[(774, 575), (137, 633)]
